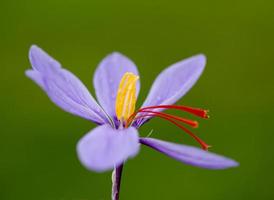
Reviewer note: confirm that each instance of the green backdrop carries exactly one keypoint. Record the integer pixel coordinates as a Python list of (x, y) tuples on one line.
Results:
[(37, 140)]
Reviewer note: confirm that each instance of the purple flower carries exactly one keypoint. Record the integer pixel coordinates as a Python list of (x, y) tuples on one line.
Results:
[(117, 85)]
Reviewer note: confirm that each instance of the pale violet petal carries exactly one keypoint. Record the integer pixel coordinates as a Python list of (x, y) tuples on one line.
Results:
[(107, 78), (63, 88), (104, 147), (190, 155), (175, 81)]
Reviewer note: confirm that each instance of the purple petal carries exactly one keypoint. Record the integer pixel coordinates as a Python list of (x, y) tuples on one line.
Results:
[(175, 81), (104, 147), (107, 78), (190, 155), (63, 88)]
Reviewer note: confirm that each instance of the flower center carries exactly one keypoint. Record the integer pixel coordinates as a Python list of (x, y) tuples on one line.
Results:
[(126, 96)]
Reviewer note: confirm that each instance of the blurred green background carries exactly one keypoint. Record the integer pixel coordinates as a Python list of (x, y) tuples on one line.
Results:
[(37, 144)]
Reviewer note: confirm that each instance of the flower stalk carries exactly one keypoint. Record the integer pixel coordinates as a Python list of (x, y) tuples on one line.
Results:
[(116, 181)]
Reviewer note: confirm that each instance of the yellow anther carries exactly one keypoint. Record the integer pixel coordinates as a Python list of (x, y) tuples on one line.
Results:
[(126, 96)]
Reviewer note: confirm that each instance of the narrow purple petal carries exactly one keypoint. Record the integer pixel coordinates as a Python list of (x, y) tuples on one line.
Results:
[(104, 147), (175, 81), (107, 78), (190, 155), (63, 88)]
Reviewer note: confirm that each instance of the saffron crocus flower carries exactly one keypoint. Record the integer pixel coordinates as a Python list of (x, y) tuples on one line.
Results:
[(117, 85)]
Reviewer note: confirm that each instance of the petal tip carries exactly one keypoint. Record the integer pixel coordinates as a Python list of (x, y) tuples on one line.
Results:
[(201, 55), (233, 163), (28, 72), (201, 58), (116, 55), (223, 163), (33, 48)]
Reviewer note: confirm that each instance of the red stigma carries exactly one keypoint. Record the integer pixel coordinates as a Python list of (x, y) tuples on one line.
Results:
[(151, 111), (195, 111), (189, 122)]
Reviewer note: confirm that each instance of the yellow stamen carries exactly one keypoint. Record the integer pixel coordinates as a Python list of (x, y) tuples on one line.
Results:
[(126, 96)]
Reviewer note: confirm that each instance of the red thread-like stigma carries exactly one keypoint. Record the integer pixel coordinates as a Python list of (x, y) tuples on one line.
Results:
[(189, 122), (195, 111), (151, 111), (200, 141)]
